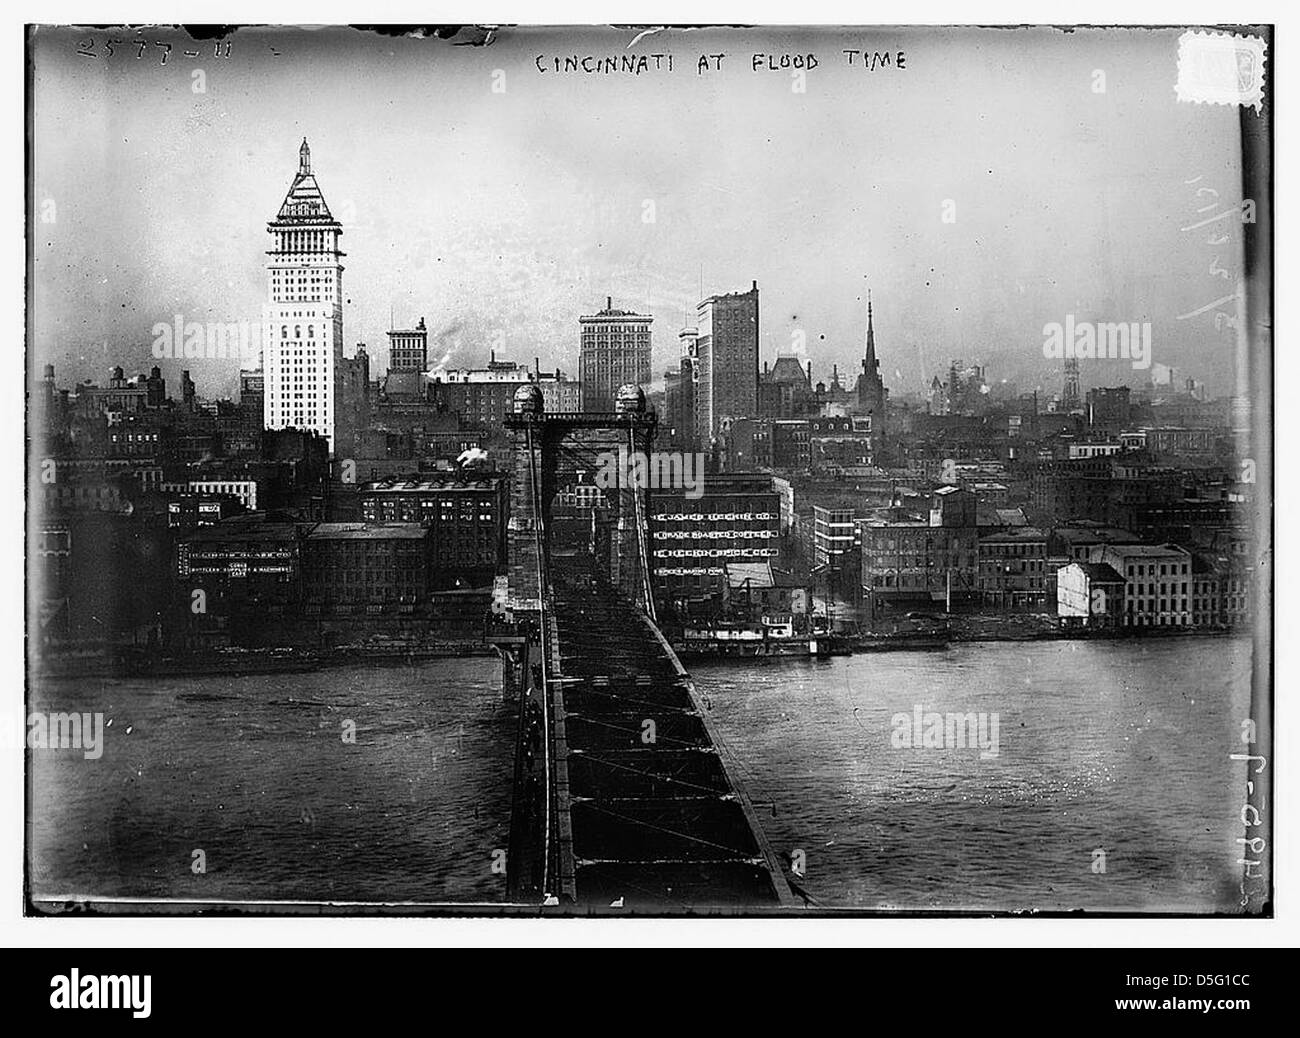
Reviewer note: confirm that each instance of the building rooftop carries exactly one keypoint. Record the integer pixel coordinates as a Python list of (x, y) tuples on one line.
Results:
[(1095, 534), (425, 483), (758, 574), (1100, 573), (419, 329), (895, 515), (610, 312), (1018, 533), (241, 528), (723, 483), (369, 532), (1149, 550), (1000, 517), (788, 370)]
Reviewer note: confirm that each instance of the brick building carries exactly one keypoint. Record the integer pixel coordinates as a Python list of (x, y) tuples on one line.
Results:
[(363, 564), (465, 512), (736, 519), (1157, 582), (727, 355), (614, 351), (1013, 569)]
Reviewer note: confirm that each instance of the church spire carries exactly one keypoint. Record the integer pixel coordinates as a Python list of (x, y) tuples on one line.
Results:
[(871, 332), (870, 361), (304, 158), (871, 388)]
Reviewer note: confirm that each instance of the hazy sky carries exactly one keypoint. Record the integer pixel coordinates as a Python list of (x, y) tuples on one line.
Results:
[(501, 216)]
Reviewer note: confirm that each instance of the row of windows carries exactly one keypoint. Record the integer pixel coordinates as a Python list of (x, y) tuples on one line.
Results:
[(297, 331), (1166, 604), (904, 580), (906, 544), (717, 535), (956, 561), (1149, 569), (713, 516)]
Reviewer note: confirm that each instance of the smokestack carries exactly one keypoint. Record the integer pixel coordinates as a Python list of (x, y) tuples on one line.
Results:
[(755, 288), (537, 366), (810, 373), (609, 302)]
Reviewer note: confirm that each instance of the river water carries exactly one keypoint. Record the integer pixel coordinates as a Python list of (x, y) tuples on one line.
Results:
[(255, 772), (1116, 747)]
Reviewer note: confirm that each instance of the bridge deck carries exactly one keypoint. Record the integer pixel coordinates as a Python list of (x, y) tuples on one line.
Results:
[(654, 816)]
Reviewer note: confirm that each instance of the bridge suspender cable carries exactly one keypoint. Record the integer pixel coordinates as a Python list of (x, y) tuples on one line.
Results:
[(642, 548), (544, 649)]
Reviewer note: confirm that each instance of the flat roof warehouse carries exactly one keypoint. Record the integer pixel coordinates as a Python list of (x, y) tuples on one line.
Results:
[(623, 64)]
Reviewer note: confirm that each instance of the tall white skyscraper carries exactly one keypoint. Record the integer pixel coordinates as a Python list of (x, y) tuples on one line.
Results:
[(303, 347)]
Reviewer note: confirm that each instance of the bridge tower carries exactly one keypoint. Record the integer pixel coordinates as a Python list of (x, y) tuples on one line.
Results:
[(550, 451)]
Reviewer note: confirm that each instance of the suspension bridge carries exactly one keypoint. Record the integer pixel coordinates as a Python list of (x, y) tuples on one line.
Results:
[(624, 797)]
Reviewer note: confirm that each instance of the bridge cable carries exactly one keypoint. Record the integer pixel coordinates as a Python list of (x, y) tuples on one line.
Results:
[(642, 547), (539, 535)]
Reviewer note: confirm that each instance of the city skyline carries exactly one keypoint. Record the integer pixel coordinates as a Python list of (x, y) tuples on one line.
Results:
[(790, 471), (542, 227)]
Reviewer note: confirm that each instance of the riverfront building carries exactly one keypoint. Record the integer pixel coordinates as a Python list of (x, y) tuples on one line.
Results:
[(736, 519), (1157, 582), (466, 514), (1089, 594)]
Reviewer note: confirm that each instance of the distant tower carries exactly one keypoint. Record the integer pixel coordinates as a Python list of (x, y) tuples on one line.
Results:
[(871, 388), (408, 349), (1070, 399), (303, 349), (726, 350), (614, 351), (687, 421)]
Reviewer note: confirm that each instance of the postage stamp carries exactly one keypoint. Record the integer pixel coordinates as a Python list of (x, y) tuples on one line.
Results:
[(1221, 68)]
